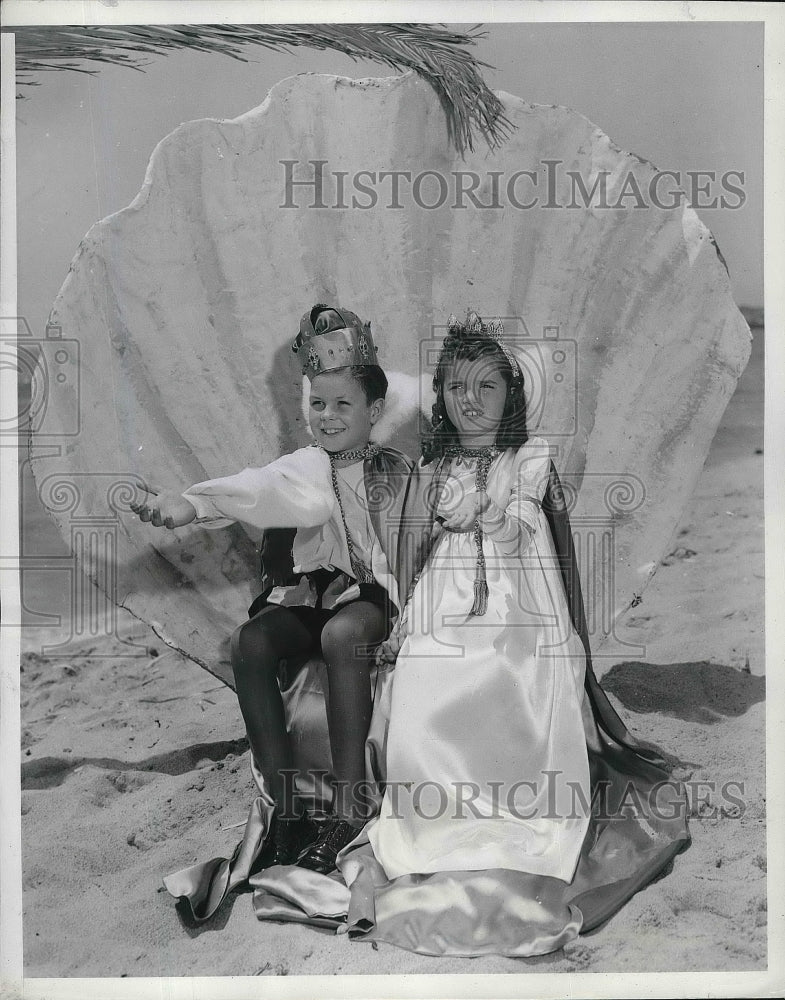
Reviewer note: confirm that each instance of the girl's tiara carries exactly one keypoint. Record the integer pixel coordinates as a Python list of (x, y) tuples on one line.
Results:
[(474, 328)]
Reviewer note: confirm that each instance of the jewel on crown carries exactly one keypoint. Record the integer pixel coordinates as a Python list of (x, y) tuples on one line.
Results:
[(313, 359)]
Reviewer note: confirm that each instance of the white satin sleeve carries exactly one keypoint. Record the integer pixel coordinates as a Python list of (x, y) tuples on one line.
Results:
[(292, 492), (512, 527)]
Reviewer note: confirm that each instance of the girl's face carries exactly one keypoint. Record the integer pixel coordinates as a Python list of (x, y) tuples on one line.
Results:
[(475, 393), (339, 416)]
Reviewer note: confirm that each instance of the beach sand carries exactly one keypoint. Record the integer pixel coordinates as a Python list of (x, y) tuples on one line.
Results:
[(135, 764)]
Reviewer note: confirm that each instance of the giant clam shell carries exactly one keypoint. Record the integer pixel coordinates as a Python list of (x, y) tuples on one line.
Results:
[(185, 303)]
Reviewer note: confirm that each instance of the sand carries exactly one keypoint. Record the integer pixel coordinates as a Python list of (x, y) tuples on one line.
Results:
[(135, 764)]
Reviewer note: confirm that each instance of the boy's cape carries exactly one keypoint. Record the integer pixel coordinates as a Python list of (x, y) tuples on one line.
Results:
[(626, 847)]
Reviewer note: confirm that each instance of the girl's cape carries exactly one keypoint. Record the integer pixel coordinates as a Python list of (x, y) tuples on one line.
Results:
[(638, 823)]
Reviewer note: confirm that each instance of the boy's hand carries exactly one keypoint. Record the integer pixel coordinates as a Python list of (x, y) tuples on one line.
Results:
[(168, 509), (461, 516)]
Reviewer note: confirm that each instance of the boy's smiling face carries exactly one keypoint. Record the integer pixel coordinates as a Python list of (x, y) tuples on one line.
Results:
[(339, 415)]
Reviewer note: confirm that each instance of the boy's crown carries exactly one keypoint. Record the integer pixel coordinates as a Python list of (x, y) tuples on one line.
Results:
[(331, 337)]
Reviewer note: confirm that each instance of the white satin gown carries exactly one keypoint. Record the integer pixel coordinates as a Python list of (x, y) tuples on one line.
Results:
[(487, 764)]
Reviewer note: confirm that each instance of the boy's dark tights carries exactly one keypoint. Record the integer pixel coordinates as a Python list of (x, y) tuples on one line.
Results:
[(348, 640)]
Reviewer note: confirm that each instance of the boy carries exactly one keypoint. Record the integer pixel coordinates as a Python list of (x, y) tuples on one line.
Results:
[(343, 495)]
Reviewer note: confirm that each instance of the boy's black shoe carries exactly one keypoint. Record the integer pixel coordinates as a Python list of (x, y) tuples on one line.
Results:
[(286, 841), (290, 838), (335, 834)]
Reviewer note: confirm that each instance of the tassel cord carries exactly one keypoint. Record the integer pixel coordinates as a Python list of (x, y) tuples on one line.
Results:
[(484, 457), (480, 605)]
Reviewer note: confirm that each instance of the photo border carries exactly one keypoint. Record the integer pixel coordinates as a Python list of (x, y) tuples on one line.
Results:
[(462, 985)]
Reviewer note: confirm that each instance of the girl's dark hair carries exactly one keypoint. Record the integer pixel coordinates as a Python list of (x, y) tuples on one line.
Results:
[(372, 379), (463, 345)]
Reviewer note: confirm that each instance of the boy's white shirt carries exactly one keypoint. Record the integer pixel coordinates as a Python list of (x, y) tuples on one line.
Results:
[(294, 491)]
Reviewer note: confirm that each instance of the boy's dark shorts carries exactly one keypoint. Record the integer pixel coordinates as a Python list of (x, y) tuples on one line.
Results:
[(314, 619)]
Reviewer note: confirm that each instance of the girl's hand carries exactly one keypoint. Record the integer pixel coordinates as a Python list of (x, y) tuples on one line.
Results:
[(463, 515), (166, 509), (389, 649)]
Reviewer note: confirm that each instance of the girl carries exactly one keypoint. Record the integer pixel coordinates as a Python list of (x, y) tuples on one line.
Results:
[(342, 496), (517, 811), (489, 684)]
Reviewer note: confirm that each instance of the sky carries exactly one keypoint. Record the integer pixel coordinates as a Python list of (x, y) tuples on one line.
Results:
[(686, 96)]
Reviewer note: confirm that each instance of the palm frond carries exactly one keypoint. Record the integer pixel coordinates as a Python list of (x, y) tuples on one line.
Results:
[(435, 53)]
